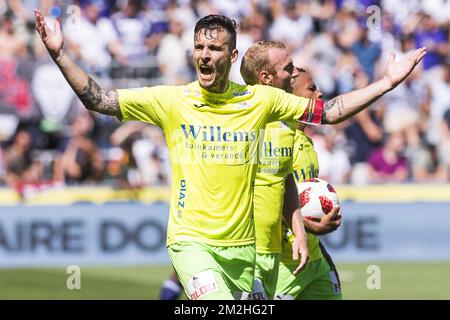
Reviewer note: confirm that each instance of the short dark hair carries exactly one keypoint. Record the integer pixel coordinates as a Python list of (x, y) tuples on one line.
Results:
[(217, 22)]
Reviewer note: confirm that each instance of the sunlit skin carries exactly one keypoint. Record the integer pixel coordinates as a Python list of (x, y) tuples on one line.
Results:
[(283, 67), (213, 58), (304, 86)]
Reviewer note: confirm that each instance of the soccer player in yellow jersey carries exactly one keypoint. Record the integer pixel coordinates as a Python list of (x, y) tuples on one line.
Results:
[(269, 63), (212, 130), (319, 279)]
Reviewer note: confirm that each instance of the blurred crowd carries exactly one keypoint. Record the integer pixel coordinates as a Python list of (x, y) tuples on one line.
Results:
[(47, 138)]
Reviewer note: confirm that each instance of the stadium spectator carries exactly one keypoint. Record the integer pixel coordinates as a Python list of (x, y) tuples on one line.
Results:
[(348, 72), (439, 103), (13, 43), (2, 166), (21, 167), (438, 9), (93, 39), (243, 42), (81, 161), (407, 104), (334, 162), (145, 159), (388, 164), (235, 9), (367, 53), (15, 96), (173, 52), (345, 27), (444, 147), (404, 12), (133, 25), (322, 56), (426, 164), (434, 37), (123, 167), (291, 23)]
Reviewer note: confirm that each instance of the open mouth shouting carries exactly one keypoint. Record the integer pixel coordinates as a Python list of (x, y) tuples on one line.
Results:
[(206, 72)]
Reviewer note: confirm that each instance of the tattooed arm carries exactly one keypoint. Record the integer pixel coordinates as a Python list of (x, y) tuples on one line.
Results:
[(93, 97), (346, 105), (90, 93)]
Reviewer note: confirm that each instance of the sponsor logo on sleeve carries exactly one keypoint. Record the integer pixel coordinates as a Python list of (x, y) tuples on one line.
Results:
[(241, 93)]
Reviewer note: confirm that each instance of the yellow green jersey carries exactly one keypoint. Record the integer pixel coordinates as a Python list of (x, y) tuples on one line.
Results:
[(213, 142), (306, 166), (275, 163)]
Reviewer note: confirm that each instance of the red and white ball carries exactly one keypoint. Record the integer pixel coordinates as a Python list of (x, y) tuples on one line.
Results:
[(317, 197)]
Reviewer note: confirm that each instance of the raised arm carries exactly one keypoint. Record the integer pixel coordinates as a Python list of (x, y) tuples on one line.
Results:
[(93, 97), (346, 105)]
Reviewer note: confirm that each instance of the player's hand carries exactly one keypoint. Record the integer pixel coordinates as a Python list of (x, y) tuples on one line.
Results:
[(328, 223), (300, 247), (397, 71), (53, 40)]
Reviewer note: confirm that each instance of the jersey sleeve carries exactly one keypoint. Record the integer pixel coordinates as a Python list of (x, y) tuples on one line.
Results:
[(146, 104), (288, 107)]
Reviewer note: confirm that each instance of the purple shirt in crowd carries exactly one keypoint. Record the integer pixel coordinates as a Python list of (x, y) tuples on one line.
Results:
[(379, 164)]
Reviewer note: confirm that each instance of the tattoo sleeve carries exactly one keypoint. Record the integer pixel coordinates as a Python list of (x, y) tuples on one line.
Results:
[(335, 105), (97, 99), (94, 98)]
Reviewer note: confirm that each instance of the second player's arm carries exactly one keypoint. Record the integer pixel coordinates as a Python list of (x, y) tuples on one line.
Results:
[(346, 105), (328, 223), (292, 215)]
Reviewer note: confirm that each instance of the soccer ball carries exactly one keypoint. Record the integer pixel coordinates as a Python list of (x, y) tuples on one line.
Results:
[(317, 197)]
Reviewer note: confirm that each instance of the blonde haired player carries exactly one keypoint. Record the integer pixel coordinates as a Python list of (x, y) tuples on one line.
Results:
[(269, 63), (275, 197), (319, 279)]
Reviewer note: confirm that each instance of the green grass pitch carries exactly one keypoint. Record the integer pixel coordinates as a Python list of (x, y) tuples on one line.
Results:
[(398, 281)]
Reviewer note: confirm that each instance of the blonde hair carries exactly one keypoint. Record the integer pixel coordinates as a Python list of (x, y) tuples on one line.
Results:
[(256, 59)]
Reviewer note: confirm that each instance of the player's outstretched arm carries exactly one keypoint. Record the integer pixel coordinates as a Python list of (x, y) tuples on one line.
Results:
[(346, 105), (92, 96)]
